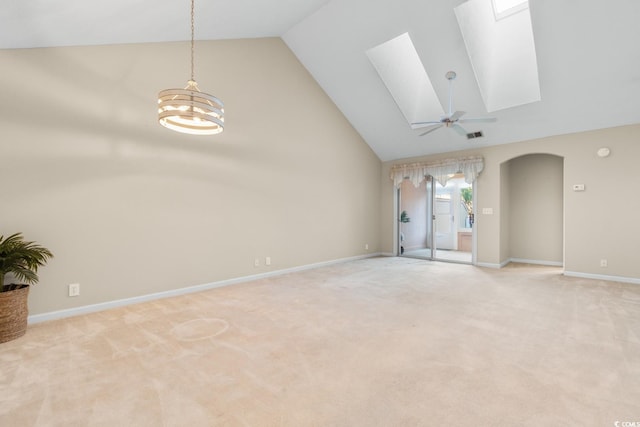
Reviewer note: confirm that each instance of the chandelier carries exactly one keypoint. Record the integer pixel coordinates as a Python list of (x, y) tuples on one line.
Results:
[(189, 110)]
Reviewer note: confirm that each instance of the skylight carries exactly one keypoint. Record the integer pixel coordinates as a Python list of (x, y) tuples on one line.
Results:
[(399, 66), (505, 8), (502, 51)]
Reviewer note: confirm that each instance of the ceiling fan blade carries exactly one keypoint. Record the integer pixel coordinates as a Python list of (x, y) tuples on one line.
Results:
[(455, 116), (459, 129), (479, 120), (420, 125), (433, 127)]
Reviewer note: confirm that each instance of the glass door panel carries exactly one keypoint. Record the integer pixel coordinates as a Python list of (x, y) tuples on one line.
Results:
[(453, 220), (414, 220)]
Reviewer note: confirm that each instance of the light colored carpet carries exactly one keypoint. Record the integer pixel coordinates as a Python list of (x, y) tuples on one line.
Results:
[(376, 342)]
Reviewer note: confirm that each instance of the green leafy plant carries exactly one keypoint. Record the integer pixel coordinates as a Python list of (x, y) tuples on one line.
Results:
[(21, 259), (466, 194), (404, 217)]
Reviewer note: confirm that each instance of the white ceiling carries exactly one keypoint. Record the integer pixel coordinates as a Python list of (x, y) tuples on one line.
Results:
[(587, 53), (45, 23)]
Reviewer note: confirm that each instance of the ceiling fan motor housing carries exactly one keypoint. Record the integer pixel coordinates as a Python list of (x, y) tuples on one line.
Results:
[(452, 119)]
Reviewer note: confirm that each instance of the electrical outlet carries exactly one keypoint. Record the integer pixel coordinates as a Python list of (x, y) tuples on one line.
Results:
[(366, 247), (604, 263), (74, 289), (267, 261), (256, 262)]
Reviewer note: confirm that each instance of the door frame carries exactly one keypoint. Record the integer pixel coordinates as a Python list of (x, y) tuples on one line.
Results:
[(431, 193)]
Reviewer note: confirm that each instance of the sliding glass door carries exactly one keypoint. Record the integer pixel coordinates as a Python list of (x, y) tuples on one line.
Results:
[(435, 221)]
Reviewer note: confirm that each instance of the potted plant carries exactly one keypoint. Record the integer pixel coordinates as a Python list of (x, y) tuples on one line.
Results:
[(466, 196), (404, 218), (21, 260)]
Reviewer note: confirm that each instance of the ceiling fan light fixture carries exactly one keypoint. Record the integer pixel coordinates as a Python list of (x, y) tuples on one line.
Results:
[(453, 119), (190, 110)]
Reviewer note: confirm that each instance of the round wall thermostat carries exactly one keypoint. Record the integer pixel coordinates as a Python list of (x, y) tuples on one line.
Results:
[(604, 152)]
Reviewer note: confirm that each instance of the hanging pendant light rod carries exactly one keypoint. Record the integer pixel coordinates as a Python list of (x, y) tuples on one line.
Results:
[(189, 110), (193, 44)]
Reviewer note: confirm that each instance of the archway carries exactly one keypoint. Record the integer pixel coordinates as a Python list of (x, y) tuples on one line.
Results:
[(532, 205)]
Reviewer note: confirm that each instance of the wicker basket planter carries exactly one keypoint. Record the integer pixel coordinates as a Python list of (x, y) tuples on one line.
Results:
[(13, 312), (19, 260)]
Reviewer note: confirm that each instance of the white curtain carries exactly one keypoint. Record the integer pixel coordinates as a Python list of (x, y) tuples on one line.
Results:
[(440, 170)]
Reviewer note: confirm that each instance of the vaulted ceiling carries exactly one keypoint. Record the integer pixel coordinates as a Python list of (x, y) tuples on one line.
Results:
[(587, 55)]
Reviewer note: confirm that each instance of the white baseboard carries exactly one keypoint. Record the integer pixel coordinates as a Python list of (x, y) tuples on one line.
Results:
[(537, 262), (60, 314), (622, 279), (488, 265), (493, 265), (520, 260)]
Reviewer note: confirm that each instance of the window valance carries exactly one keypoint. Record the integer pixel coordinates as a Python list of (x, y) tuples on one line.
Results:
[(441, 170)]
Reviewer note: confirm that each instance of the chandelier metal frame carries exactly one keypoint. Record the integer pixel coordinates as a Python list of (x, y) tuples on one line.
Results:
[(190, 110)]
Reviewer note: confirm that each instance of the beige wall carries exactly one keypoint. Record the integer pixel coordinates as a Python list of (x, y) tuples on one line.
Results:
[(504, 212), (535, 208), (129, 208), (598, 222)]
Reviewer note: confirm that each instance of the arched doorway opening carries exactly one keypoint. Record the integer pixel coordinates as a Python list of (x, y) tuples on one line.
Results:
[(532, 209)]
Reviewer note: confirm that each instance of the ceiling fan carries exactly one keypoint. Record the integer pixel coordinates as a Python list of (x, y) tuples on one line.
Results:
[(452, 119)]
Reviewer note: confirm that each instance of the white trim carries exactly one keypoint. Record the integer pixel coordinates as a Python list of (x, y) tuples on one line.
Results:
[(622, 279), (537, 262), (53, 315), (491, 265), (633, 280), (520, 260)]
